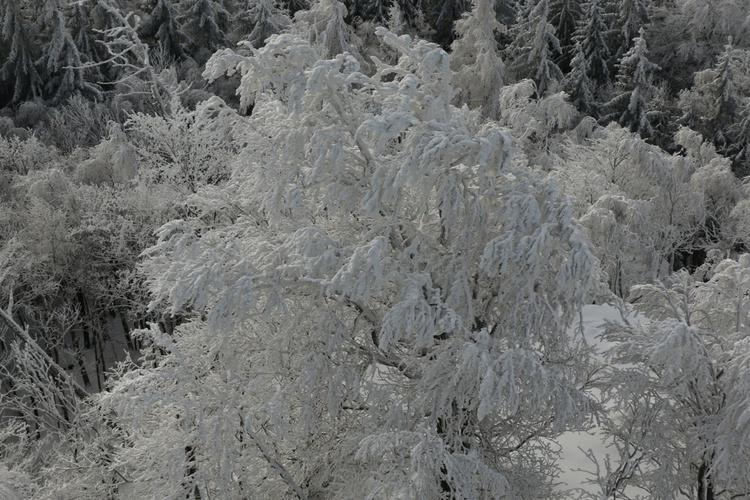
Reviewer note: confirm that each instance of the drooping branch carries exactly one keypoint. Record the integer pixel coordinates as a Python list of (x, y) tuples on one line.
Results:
[(54, 367)]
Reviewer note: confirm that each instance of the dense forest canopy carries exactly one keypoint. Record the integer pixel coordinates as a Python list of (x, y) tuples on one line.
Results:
[(314, 249)]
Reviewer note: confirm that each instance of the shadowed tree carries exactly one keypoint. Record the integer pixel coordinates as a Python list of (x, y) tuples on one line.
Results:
[(261, 19), (18, 73), (162, 30), (536, 47), (634, 90), (60, 62), (206, 23)]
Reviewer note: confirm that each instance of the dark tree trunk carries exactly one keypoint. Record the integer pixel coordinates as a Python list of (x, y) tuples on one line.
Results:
[(705, 484)]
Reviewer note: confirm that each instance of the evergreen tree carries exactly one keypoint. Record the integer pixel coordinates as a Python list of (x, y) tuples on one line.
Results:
[(578, 83), (206, 23), (162, 29), (714, 105), (60, 61), (476, 58), (18, 75), (261, 19), (726, 102), (442, 16), (507, 11), (632, 16), (81, 30), (375, 11), (535, 48), (328, 30), (634, 88), (294, 6), (565, 15), (593, 36), (102, 14)]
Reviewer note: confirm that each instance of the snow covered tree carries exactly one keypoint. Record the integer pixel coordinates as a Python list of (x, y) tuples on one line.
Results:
[(325, 25), (535, 48), (18, 74), (639, 205), (722, 88), (714, 105), (378, 299), (162, 29), (81, 28), (130, 58), (182, 149), (578, 84), (477, 61), (60, 62), (632, 16), (630, 106), (442, 16), (593, 36), (533, 120), (565, 15), (206, 23), (714, 22), (375, 11), (261, 19), (679, 385)]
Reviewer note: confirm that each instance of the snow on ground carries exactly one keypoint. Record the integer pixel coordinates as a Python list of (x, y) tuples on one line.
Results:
[(574, 444)]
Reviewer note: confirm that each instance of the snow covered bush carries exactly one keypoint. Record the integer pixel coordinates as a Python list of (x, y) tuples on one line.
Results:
[(679, 387)]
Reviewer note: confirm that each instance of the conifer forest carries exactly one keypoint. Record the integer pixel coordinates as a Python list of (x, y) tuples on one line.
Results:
[(347, 249)]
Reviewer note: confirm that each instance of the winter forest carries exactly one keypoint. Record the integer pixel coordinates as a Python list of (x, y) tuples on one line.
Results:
[(306, 249)]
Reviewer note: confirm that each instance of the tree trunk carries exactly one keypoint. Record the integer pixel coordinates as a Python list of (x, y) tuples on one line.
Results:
[(85, 323), (705, 484)]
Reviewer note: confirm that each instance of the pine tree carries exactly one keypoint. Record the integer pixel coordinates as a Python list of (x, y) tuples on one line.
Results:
[(81, 28), (442, 16), (535, 48), (722, 90), (60, 61), (162, 29), (205, 22), (632, 16), (293, 6), (565, 16), (261, 19), (18, 74), (578, 83), (476, 58), (593, 36), (375, 11), (327, 28), (634, 88), (713, 106)]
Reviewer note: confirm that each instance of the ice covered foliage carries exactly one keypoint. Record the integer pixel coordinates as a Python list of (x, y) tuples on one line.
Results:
[(475, 55), (375, 304), (687, 370), (185, 149), (647, 213)]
